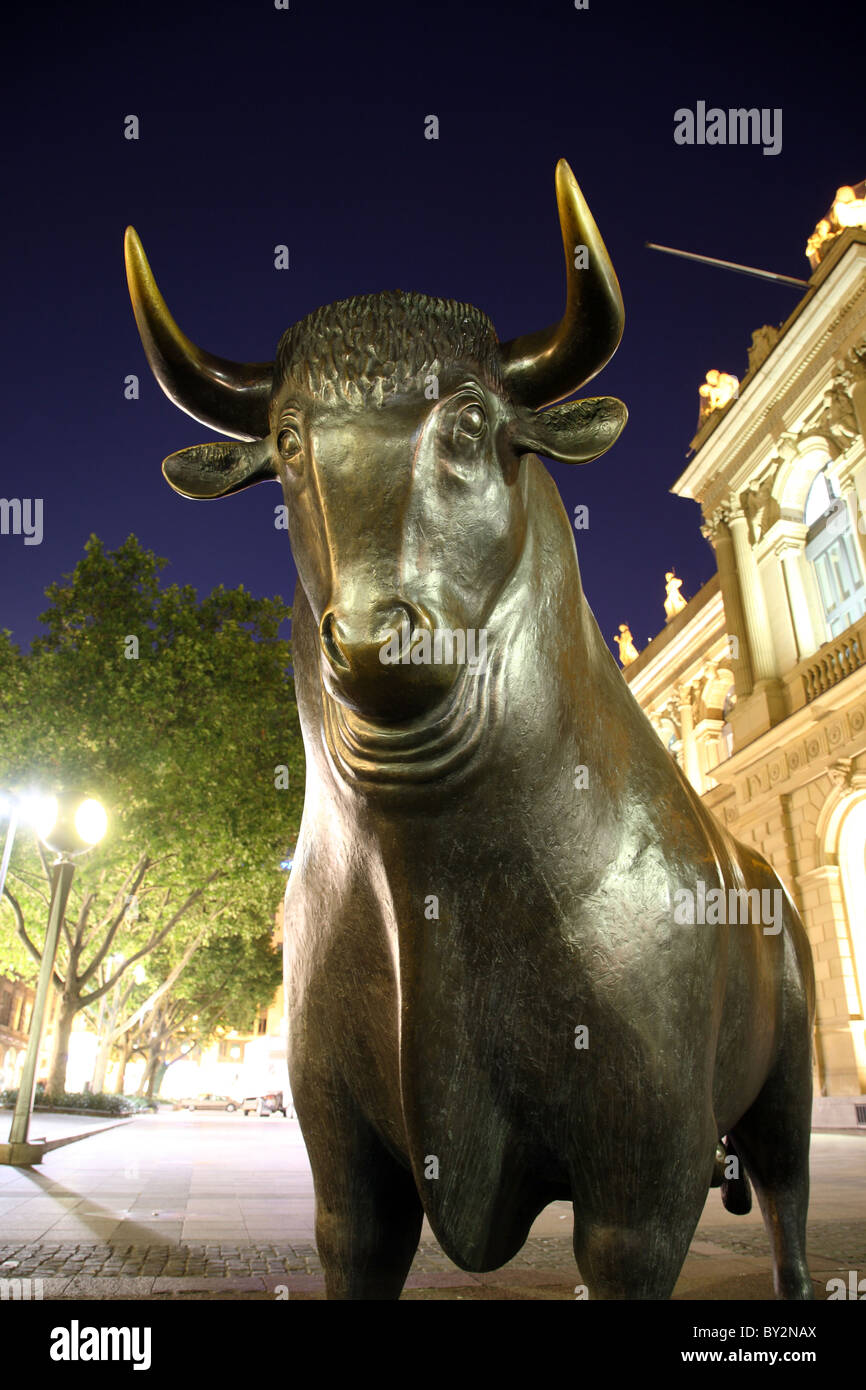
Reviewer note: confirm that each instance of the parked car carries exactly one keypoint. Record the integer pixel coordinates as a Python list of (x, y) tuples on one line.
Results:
[(207, 1102), (270, 1103)]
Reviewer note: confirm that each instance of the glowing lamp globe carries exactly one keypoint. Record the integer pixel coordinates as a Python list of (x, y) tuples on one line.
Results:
[(70, 822)]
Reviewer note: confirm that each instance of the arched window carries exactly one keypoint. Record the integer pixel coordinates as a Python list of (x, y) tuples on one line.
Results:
[(675, 748), (669, 735), (832, 551), (821, 496)]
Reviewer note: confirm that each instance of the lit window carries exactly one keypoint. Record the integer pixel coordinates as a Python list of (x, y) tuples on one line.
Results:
[(832, 551), (821, 495)]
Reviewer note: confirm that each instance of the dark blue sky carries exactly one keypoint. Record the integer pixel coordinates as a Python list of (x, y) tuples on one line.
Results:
[(306, 127)]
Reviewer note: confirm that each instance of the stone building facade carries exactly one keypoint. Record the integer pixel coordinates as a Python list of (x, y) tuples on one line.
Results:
[(758, 686), (16, 1009)]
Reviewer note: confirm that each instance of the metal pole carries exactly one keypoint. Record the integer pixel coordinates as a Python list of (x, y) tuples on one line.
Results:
[(731, 265), (7, 848), (61, 880)]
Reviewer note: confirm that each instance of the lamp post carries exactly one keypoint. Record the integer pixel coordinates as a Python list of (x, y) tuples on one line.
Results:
[(70, 824), (9, 805)]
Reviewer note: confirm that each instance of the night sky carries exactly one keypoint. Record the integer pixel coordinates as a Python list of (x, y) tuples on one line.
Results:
[(261, 126)]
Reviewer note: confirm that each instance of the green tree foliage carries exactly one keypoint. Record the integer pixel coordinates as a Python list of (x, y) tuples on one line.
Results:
[(176, 712)]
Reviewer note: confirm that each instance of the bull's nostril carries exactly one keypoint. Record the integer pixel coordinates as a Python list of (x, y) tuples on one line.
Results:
[(353, 641), (397, 619), (329, 642)]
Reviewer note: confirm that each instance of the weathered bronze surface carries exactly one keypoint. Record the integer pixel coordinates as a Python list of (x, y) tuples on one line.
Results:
[(493, 1000)]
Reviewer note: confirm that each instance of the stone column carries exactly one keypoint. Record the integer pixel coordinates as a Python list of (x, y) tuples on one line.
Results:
[(691, 761), (838, 999), (717, 533), (754, 608), (788, 551), (708, 738)]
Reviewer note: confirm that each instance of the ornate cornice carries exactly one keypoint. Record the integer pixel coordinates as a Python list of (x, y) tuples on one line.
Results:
[(801, 761), (761, 429)]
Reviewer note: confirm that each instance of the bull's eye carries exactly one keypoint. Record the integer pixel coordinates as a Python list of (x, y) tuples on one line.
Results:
[(471, 423), (290, 446)]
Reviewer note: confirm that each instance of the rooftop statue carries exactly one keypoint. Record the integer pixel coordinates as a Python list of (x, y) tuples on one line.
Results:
[(674, 601), (628, 652)]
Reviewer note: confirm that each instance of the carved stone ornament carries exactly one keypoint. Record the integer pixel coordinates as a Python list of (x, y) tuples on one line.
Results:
[(852, 368), (840, 772), (764, 339)]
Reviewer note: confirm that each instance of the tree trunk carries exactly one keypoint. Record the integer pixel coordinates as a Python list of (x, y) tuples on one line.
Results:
[(100, 1066), (156, 1079), (69, 1004), (121, 1070), (152, 1069), (104, 1034)]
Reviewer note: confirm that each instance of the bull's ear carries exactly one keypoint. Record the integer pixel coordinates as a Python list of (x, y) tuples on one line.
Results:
[(572, 433), (216, 470)]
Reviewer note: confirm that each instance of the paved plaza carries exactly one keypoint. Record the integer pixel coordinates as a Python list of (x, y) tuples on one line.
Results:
[(203, 1205)]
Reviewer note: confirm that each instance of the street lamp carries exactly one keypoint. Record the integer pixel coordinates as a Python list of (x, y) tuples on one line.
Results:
[(8, 807), (70, 823)]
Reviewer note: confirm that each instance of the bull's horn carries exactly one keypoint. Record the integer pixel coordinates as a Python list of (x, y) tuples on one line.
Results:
[(232, 397), (545, 366)]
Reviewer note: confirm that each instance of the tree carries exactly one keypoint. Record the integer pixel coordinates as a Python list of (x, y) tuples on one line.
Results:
[(179, 714), (223, 989), (127, 1007)]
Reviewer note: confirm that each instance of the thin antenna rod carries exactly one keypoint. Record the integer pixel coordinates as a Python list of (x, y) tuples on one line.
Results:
[(732, 265)]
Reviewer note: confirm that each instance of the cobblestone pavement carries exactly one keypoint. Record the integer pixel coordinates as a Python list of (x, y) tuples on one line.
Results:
[(833, 1241), (211, 1260), (830, 1242)]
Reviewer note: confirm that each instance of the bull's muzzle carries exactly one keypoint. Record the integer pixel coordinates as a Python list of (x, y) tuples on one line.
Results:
[(369, 665)]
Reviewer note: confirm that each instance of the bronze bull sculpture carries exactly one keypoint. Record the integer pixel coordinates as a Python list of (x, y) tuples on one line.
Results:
[(494, 999)]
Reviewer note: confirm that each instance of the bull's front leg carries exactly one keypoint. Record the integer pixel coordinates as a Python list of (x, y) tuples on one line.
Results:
[(639, 1192), (368, 1213)]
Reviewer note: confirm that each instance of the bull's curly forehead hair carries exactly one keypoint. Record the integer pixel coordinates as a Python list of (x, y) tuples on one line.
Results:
[(363, 349)]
